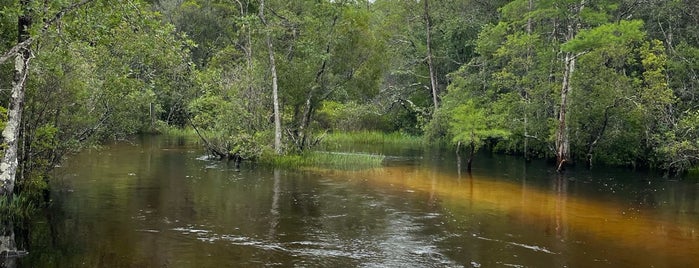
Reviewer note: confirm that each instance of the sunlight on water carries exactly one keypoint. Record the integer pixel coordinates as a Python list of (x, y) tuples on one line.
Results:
[(570, 219)]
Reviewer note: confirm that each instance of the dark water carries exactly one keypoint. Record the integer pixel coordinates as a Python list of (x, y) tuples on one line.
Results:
[(158, 203)]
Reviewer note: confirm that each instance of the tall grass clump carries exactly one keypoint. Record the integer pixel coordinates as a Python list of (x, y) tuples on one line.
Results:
[(373, 138), (16, 207), (171, 131), (693, 174), (334, 160)]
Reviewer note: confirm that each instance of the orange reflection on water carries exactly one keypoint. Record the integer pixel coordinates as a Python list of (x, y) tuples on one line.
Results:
[(644, 238)]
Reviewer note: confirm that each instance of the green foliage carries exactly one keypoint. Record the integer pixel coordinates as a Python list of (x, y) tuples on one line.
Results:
[(679, 150), (621, 107), (472, 125), (107, 70), (620, 33), (3, 117), (231, 113), (116, 68), (16, 207), (351, 117)]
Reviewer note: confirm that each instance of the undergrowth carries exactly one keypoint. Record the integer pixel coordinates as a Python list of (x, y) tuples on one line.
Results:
[(17, 207)]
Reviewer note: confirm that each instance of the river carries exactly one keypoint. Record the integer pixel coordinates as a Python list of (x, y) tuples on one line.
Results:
[(159, 202)]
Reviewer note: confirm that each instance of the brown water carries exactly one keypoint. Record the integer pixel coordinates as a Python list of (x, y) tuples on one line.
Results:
[(159, 203)]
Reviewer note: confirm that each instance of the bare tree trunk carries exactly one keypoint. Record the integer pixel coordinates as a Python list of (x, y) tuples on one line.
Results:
[(8, 245), (525, 94), (275, 97), (430, 65), (458, 158), (319, 84), (10, 135), (562, 139), (275, 94), (471, 153), (305, 121)]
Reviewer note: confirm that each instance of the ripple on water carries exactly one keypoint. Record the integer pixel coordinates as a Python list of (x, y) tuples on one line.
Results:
[(395, 249), (531, 247)]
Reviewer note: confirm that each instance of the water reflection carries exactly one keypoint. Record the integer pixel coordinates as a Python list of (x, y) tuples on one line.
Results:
[(579, 230), (161, 204), (8, 246)]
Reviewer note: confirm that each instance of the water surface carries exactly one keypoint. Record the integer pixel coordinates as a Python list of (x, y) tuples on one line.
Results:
[(159, 202)]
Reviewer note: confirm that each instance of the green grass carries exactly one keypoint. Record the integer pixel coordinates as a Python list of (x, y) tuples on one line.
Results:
[(374, 138), (334, 160), (171, 131), (693, 174), (16, 208)]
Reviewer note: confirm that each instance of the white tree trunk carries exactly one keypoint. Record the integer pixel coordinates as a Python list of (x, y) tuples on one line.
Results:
[(275, 97), (10, 135), (430, 65), (275, 85), (562, 140)]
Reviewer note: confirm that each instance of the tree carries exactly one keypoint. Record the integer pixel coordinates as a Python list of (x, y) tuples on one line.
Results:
[(529, 64), (430, 64), (472, 126), (341, 63), (408, 91), (275, 94), (22, 54), (98, 76)]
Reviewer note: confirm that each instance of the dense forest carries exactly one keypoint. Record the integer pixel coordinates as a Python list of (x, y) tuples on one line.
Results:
[(575, 81)]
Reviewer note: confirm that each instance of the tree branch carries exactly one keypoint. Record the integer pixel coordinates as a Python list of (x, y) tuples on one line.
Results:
[(20, 46)]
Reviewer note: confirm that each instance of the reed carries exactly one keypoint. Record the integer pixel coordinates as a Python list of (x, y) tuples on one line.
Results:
[(374, 138), (693, 174), (171, 131), (320, 159), (17, 207)]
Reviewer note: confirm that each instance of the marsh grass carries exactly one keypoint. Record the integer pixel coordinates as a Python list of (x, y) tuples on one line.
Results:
[(693, 174), (320, 159), (372, 138), (16, 208), (171, 131)]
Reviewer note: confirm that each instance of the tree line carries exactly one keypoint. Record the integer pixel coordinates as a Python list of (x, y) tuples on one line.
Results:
[(587, 82)]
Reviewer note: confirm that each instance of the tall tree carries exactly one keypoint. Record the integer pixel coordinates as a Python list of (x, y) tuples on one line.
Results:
[(22, 54), (275, 94), (530, 63), (10, 135), (428, 43), (339, 64), (472, 126)]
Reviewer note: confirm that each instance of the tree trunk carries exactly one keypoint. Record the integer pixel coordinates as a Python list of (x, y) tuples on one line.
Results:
[(430, 65), (458, 158), (308, 105), (525, 94), (472, 151), (305, 121), (8, 245), (275, 97), (275, 94), (562, 140), (10, 135)]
